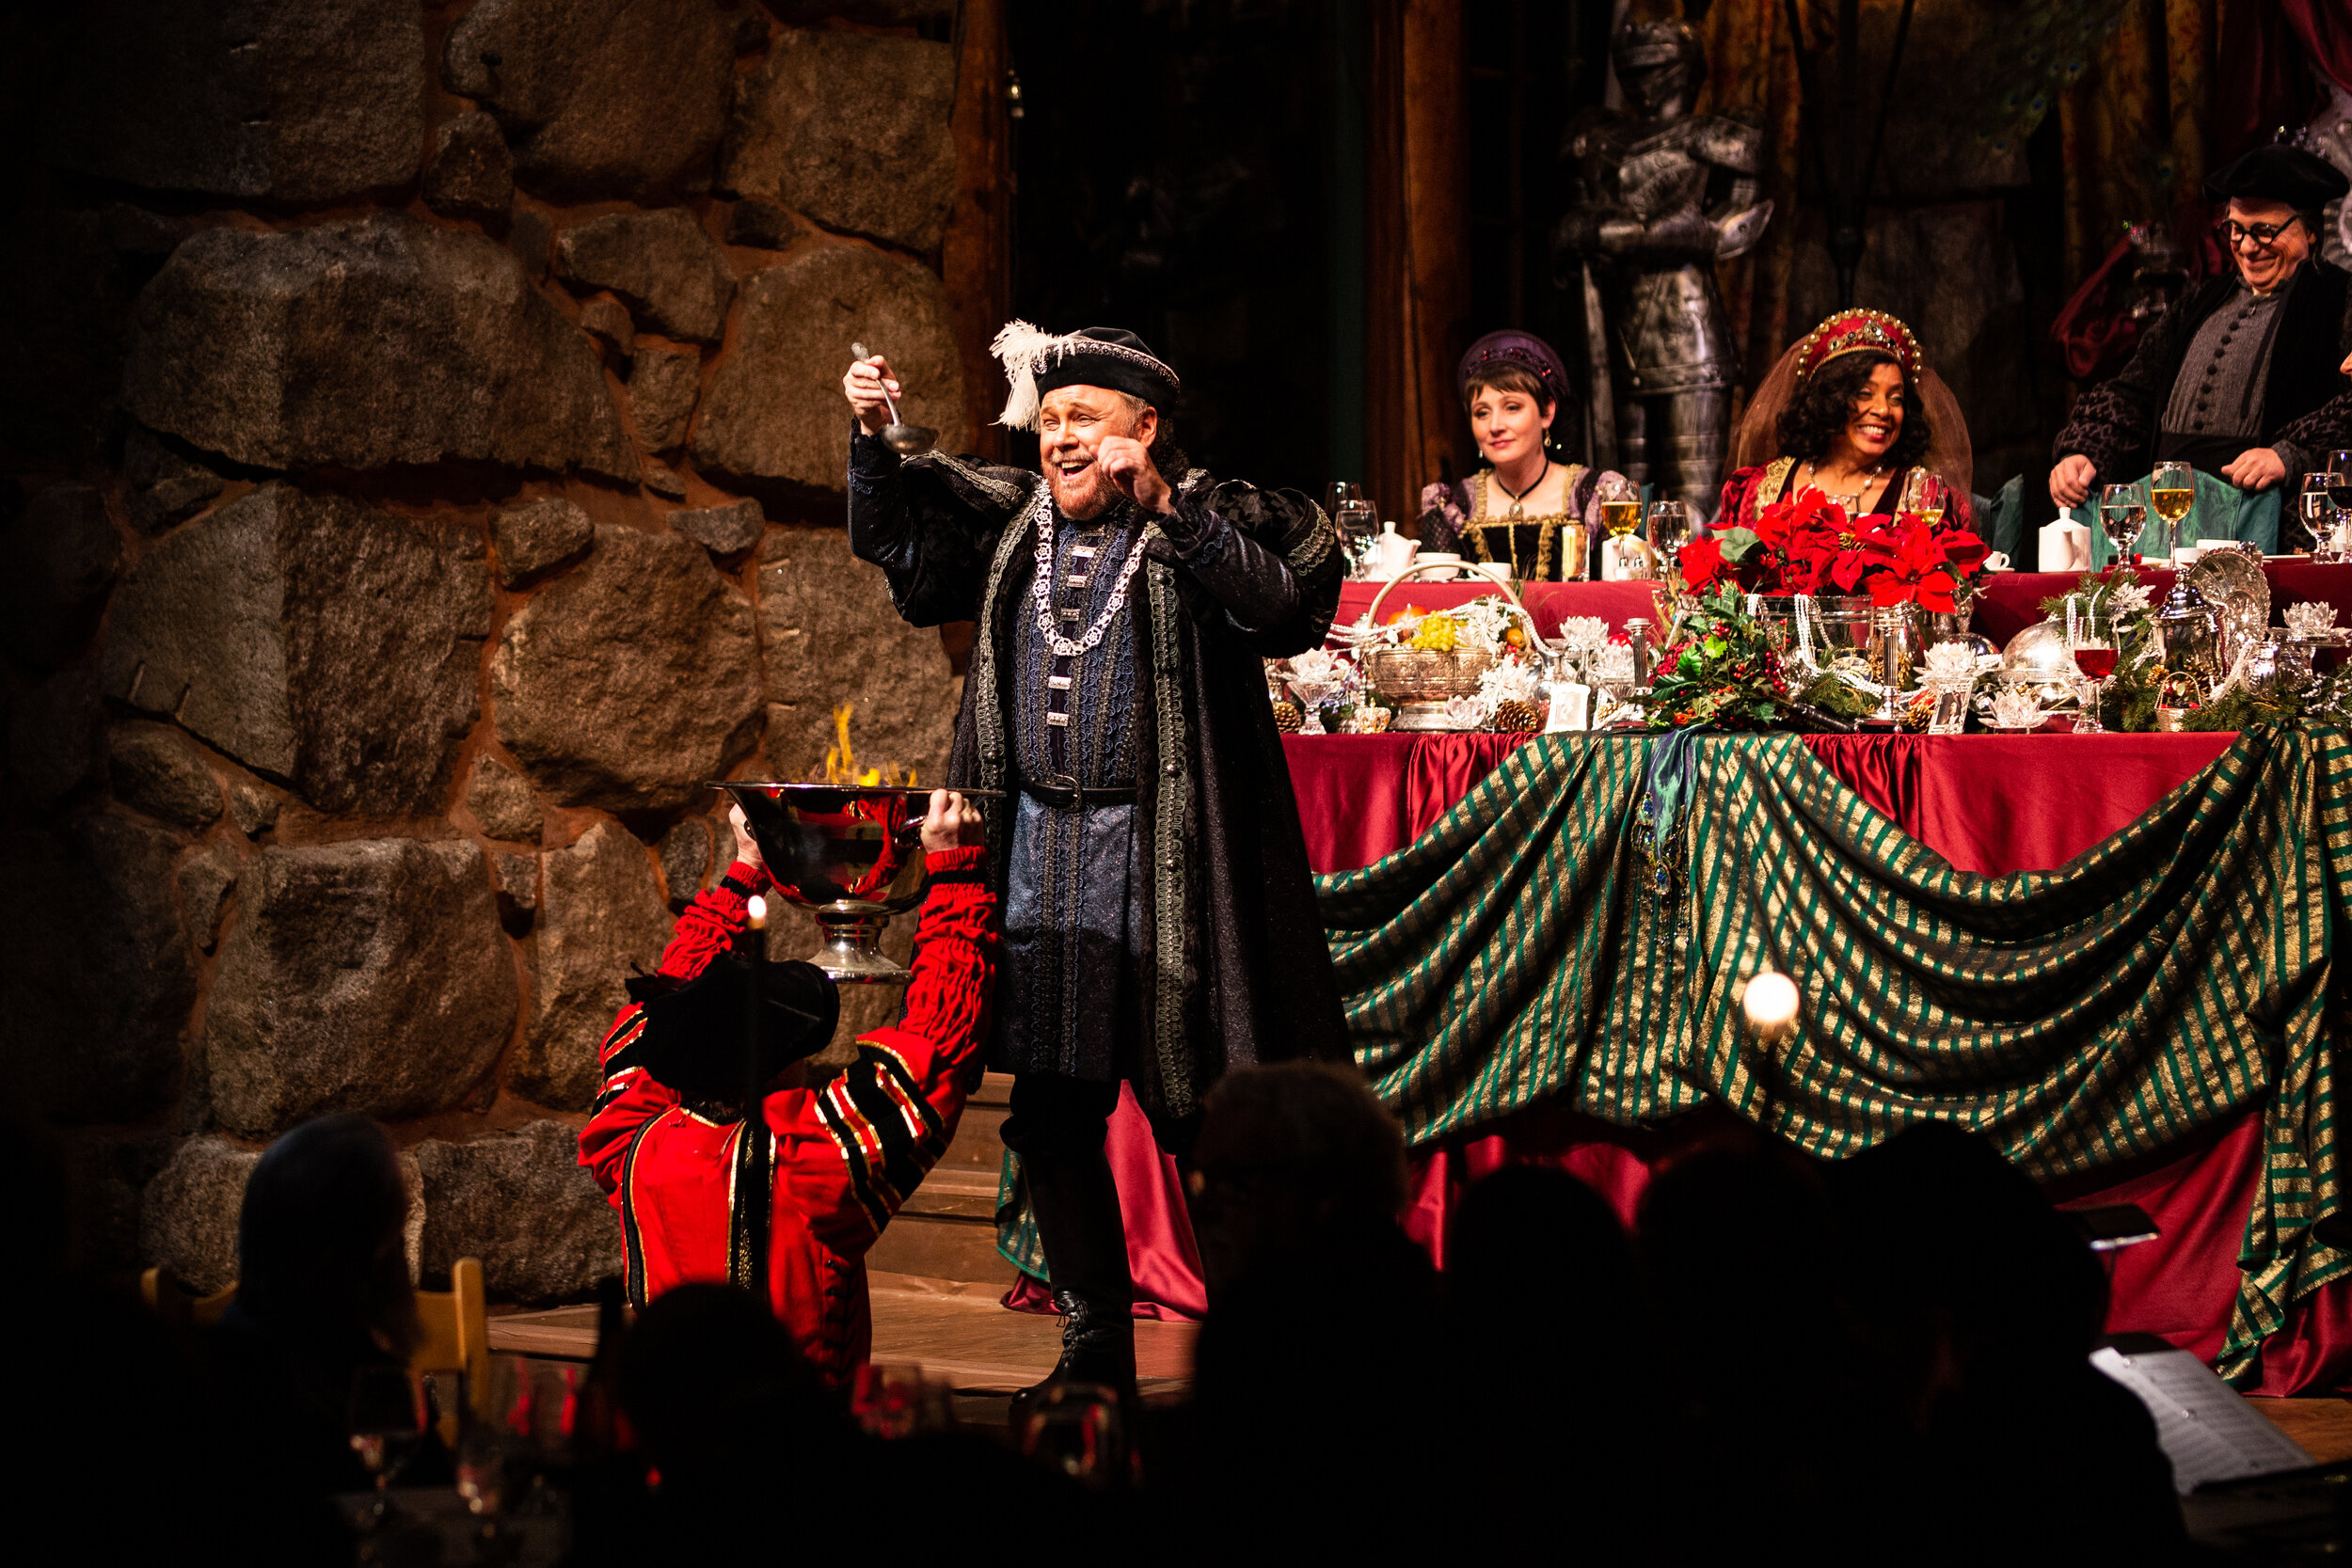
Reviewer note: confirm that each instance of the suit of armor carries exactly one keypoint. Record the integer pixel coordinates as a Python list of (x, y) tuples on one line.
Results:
[(1663, 196)]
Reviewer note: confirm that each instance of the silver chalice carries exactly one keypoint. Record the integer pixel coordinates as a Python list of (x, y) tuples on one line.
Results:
[(852, 855)]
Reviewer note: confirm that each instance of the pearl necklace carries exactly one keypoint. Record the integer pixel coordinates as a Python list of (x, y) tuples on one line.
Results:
[(1847, 501)]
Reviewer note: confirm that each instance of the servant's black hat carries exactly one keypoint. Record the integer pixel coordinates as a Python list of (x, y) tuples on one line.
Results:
[(2278, 172), (1037, 362), (694, 1032)]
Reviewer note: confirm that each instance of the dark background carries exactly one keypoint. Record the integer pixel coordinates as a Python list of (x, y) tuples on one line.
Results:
[(1195, 172)]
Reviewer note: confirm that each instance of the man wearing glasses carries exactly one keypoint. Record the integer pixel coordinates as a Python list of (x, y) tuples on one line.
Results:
[(2239, 378)]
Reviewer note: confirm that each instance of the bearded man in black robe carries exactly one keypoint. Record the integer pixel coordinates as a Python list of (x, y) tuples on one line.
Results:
[(1160, 924)]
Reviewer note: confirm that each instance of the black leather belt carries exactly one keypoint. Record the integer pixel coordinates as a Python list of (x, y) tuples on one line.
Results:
[(1076, 795)]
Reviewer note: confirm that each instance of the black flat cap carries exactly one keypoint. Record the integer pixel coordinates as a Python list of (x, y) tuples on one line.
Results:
[(695, 1031), (2280, 173)]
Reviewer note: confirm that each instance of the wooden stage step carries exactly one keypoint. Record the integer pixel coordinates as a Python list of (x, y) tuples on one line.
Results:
[(955, 1328)]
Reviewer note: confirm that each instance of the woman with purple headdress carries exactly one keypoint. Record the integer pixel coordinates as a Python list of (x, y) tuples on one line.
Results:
[(1527, 507)]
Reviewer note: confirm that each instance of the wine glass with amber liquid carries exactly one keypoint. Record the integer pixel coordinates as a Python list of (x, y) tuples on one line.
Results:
[(1928, 496), (1620, 514), (2172, 495)]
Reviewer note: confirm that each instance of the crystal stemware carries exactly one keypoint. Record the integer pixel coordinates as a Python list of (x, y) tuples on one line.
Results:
[(2093, 647), (2172, 493), (2123, 513), (1928, 495)]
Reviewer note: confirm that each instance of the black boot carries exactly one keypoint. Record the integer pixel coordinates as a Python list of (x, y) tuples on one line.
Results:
[(1076, 1205)]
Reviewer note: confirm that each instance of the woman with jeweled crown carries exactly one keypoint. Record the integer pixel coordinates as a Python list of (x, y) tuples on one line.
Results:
[(1852, 411)]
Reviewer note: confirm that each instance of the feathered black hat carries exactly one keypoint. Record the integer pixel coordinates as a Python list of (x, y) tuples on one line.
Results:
[(695, 1030), (1037, 362)]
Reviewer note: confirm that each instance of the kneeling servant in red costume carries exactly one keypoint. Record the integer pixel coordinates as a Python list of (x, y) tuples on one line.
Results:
[(664, 1140)]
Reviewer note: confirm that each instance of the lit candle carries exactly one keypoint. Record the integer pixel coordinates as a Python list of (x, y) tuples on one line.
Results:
[(1770, 1004), (758, 909)]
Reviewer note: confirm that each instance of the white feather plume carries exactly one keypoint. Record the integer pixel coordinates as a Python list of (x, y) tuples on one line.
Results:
[(1024, 348)]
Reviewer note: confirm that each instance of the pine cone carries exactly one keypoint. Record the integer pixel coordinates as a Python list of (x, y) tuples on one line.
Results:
[(1287, 718), (1517, 717)]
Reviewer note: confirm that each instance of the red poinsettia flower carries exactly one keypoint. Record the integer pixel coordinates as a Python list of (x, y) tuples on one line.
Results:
[(1963, 549), (1702, 564), (1906, 564)]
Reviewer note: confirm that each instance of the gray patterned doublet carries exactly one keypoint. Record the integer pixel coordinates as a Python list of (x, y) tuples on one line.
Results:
[(1068, 1000)]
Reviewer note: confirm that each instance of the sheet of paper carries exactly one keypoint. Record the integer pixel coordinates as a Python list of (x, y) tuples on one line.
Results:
[(2205, 1429)]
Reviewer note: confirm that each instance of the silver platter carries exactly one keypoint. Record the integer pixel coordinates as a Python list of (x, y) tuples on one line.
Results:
[(2232, 582)]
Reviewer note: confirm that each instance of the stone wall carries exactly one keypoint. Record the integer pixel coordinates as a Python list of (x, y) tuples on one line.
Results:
[(427, 456)]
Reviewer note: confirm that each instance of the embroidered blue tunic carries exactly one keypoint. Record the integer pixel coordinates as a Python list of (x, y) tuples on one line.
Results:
[(1069, 1000)]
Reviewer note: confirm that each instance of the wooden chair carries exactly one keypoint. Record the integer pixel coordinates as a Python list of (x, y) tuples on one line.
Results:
[(456, 1325), (456, 1339)]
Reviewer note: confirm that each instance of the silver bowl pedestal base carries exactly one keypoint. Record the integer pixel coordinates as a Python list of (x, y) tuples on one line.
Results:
[(850, 946)]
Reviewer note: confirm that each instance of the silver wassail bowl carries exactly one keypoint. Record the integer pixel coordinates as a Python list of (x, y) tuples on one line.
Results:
[(852, 854)]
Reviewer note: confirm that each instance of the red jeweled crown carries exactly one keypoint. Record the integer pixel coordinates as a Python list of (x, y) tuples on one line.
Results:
[(1850, 331)]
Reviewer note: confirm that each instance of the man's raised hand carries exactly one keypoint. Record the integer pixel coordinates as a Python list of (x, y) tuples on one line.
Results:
[(951, 821), (746, 846), (1127, 463), (865, 385)]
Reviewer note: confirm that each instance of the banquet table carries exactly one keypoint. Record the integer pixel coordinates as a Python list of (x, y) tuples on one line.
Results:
[(2010, 600), (1988, 804)]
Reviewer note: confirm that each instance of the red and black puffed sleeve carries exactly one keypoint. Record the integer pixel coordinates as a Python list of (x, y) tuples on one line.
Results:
[(851, 1152)]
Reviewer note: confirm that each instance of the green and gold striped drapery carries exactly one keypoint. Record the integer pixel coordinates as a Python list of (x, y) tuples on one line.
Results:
[(2175, 974)]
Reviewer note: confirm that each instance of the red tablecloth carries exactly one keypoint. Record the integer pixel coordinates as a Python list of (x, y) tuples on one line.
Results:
[(1988, 803), (2011, 602)]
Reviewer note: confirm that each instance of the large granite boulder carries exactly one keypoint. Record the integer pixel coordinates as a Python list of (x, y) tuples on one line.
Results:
[(95, 1006), (189, 1219), (600, 919), (315, 639), (520, 1202), (56, 557), (605, 97), (774, 410), (270, 99), (365, 976), (851, 130), (631, 681), (357, 344), (828, 635), (189, 1213), (662, 263)]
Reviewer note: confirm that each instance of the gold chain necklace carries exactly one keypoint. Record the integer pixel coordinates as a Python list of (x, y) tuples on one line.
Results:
[(1546, 530)]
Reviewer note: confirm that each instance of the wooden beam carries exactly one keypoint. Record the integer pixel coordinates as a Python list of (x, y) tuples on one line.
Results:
[(1416, 252)]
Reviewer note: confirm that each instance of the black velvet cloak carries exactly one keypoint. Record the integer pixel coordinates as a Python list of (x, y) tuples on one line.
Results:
[(1235, 969)]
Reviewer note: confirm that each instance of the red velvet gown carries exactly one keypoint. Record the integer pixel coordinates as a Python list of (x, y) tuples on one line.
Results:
[(846, 1155)]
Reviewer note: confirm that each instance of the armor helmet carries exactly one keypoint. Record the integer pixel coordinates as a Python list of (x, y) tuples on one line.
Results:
[(1659, 64)]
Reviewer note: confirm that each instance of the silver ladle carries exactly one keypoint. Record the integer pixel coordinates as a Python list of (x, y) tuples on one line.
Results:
[(904, 439)]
